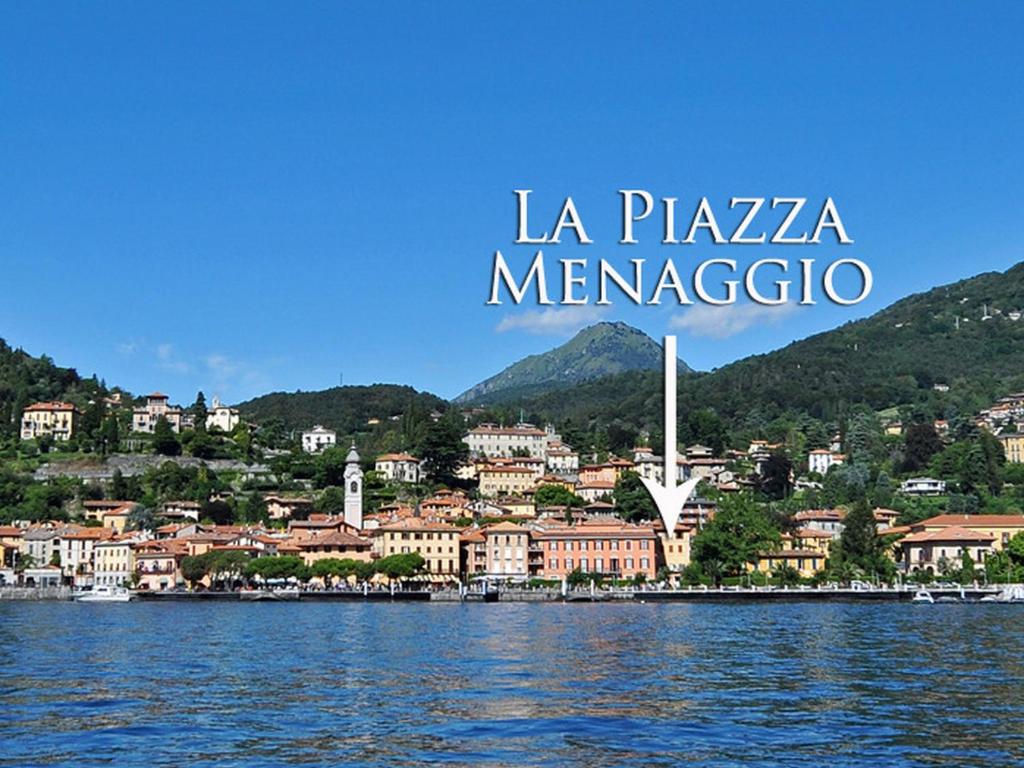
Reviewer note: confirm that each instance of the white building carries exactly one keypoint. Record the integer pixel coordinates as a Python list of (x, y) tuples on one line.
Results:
[(504, 442), (144, 419), (398, 467), (923, 486), (563, 460), (221, 417), (819, 460), (318, 439)]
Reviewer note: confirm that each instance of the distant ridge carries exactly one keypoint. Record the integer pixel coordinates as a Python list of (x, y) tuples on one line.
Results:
[(600, 350)]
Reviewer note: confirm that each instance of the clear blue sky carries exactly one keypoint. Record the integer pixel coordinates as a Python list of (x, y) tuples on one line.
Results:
[(243, 198)]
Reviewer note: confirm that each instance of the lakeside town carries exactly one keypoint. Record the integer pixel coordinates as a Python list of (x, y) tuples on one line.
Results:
[(502, 505)]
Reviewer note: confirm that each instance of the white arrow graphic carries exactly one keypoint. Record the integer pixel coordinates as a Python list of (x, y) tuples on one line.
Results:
[(670, 497)]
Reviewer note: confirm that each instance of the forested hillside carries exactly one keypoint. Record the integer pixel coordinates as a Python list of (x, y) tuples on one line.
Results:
[(25, 379), (967, 336)]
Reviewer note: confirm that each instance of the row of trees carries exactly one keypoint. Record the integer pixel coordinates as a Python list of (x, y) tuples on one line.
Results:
[(227, 567)]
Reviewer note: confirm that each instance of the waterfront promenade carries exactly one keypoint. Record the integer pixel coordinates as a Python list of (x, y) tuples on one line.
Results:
[(691, 595)]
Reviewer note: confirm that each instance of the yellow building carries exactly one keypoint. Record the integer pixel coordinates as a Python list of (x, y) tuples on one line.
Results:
[(56, 419), (436, 543), (1013, 447), (336, 544), (675, 551), (114, 562), (949, 537), (804, 550), (505, 481)]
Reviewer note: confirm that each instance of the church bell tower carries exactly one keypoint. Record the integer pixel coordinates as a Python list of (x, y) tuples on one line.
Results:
[(353, 489)]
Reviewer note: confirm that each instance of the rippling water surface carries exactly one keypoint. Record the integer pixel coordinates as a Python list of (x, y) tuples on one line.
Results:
[(510, 684)]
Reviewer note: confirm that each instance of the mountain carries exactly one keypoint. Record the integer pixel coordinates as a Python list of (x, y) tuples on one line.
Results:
[(600, 350), (345, 409), (967, 336)]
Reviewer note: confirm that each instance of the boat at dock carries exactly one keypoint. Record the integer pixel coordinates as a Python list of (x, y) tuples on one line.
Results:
[(105, 594)]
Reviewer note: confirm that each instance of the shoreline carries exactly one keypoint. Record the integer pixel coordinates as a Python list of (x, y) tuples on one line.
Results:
[(965, 595)]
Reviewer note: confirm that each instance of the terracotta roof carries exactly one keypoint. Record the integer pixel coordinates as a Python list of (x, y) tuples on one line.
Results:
[(505, 527), (418, 524), (996, 521), (832, 515), (952, 533), (55, 405), (397, 457), (334, 539), (485, 429)]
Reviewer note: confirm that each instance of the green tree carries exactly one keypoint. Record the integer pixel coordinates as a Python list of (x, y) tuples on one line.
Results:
[(402, 566), (633, 501), (200, 412), (860, 549), (165, 442), (218, 512), (331, 501), (443, 450), (556, 496), (194, 568), (776, 479), (920, 443), (736, 536)]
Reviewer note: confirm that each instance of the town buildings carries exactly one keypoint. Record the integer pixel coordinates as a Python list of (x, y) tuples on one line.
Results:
[(437, 543), (56, 419), (145, 418), (318, 439), (505, 481), (220, 416), (398, 467), (923, 486), (496, 441), (821, 460), (611, 547)]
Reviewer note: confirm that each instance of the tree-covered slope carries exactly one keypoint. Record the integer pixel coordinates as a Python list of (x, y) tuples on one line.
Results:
[(600, 350), (896, 357), (345, 409), (25, 379)]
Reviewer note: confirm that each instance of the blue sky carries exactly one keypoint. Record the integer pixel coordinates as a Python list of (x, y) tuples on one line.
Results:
[(243, 198)]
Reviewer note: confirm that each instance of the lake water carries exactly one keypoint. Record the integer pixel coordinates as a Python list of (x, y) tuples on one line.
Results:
[(284, 684)]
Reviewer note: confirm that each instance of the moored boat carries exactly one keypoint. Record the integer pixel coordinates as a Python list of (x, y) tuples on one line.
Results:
[(105, 594)]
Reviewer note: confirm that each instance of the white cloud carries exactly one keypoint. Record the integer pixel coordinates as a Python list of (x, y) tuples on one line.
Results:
[(167, 360), (723, 321), (552, 321)]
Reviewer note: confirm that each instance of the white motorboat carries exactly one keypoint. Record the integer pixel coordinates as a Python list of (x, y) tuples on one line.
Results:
[(105, 594), (923, 596)]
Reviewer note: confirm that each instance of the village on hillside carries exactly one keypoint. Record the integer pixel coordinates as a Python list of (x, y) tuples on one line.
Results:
[(196, 498)]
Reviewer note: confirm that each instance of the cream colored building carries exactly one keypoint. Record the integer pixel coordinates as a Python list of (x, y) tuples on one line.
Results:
[(221, 417), (1013, 447), (76, 553), (505, 481), (436, 543), (114, 563), (507, 549), (398, 467), (337, 544), (497, 442), (54, 419)]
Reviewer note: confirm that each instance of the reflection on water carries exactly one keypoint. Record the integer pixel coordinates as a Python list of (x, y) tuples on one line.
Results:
[(550, 684)]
